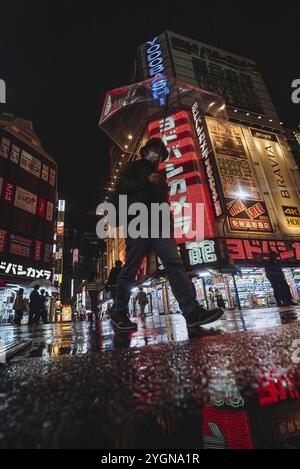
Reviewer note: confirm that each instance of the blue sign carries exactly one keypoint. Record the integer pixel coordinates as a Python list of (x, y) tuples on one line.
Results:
[(156, 68)]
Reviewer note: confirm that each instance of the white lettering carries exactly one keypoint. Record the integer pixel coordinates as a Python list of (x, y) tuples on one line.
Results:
[(2, 92), (296, 93)]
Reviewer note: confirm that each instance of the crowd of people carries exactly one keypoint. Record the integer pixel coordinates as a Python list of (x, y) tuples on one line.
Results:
[(37, 307)]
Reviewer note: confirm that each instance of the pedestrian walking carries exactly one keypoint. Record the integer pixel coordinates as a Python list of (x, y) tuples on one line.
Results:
[(44, 307), (211, 298), (219, 298), (34, 305), (141, 182), (142, 300), (112, 279), (19, 307), (276, 277)]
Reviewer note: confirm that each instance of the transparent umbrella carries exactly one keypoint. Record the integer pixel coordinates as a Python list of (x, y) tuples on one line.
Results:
[(127, 110), (43, 283)]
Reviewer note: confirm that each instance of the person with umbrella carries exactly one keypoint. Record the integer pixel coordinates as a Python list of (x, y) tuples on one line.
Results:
[(141, 182), (35, 305)]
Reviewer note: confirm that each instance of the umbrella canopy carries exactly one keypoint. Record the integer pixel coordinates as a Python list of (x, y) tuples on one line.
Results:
[(43, 283), (127, 110)]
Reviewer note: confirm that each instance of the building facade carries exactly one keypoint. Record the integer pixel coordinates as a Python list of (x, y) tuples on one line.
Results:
[(28, 195), (242, 170)]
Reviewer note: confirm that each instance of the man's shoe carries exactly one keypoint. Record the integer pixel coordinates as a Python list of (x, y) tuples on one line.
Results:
[(201, 316), (123, 323)]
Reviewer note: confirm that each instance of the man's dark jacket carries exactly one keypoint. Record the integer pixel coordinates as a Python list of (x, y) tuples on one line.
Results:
[(133, 181), (113, 276), (35, 301)]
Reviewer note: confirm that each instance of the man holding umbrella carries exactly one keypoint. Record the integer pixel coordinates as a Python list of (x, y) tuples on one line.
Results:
[(141, 182)]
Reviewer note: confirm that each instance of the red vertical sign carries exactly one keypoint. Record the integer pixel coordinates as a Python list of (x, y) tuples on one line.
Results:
[(185, 179), (42, 207), (8, 192)]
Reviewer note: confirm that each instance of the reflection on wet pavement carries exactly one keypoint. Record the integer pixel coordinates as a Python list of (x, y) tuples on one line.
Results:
[(232, 386)]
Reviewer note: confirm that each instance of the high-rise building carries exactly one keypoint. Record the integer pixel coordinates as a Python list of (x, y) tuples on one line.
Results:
[(242, 171)]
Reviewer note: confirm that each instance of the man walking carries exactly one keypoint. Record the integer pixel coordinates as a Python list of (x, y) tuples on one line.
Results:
[(142, 300), (276, 277), (34, 305), (112, 279), (140, 181)]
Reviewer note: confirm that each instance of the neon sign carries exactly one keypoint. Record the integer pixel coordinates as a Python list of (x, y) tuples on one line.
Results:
[(185, 179), (258, 250), (156, 69)]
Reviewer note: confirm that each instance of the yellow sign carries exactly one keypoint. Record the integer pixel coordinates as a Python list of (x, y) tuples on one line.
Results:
[(282, 187), (66, 312)]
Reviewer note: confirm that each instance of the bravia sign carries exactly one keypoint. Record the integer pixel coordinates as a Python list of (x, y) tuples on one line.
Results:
[(281, 184)]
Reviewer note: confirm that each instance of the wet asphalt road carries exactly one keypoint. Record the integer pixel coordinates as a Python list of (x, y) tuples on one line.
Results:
[(82, 386)]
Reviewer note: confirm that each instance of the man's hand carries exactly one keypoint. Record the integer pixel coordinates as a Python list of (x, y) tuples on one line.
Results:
[(155, 178)]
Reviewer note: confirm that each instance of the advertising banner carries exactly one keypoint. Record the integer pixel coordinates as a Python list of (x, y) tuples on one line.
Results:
[(26, 200), (42, 207), (281, 184), (15, 154), (49, 212), (245, 206), (287, 252), (52, 177), (30, 163), (237, 79), (1, 185), (48, 253), (38, 250), (4, 147), (186, 181), (207, 158), (45, 172), (3, 235), (20, 246), (8, 192)]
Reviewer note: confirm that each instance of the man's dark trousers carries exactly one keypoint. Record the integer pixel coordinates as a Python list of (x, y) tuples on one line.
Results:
[(166, 250)]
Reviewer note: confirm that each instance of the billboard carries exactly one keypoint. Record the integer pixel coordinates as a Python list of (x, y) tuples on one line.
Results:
[(208, 161), (235, 78), (30, 163), (20, 246), (3, 235), (15, 154), (26, 200), (287, 252), (187, 185), (4, 147), (45, 172), (245, 206), (281, 185)]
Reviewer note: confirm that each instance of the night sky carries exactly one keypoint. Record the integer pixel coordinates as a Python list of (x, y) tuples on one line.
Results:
[(59, 57)]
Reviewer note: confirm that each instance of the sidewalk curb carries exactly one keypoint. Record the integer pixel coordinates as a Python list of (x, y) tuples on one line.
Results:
[(14, 347)]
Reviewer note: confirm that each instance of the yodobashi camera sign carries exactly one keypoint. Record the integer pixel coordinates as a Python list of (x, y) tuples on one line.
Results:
[(2, 92), (156, 70)]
